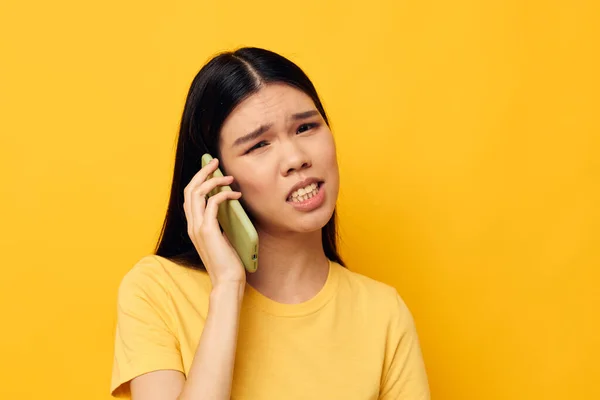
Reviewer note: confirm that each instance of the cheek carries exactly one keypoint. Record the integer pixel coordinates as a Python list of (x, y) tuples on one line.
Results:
[(328, 156), (249, 182), (327, 151), (256, 194), (254, 189)]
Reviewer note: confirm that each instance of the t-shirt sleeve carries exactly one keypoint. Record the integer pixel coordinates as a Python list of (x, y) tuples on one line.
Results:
[(405, 377), (144, 341)]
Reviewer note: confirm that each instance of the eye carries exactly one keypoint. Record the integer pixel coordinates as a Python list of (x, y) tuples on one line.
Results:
[(257, 146), (305, 127)]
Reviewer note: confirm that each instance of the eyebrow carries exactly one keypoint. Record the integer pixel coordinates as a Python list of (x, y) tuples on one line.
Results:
[(305, 114), (263, 128)]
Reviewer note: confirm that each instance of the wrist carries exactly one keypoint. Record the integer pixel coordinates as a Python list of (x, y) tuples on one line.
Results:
[(227, 289)]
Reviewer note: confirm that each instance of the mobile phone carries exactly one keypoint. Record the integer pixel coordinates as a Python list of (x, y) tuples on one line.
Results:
[(236, 224)]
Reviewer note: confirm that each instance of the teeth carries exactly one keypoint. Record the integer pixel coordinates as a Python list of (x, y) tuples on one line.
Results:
[(304, 193)]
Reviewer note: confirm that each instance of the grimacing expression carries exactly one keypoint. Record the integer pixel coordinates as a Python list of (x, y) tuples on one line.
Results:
[(273, 140)]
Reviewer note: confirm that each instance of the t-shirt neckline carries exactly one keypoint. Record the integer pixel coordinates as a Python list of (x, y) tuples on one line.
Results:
[(318, 301)]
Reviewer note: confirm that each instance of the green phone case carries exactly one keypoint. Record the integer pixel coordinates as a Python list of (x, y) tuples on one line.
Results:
[(236, 224)]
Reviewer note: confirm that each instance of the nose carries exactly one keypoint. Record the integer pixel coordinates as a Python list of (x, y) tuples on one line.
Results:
[(293, 158)]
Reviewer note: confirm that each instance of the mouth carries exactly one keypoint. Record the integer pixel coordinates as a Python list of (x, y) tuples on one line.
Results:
[(305, 192)]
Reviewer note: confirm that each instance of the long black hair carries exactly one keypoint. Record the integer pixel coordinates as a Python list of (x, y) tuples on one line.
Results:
[(217, 89)]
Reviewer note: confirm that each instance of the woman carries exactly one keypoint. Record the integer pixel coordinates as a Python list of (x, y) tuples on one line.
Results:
[(192, 324)]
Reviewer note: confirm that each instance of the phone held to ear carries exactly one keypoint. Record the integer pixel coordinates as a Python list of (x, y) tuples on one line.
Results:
[(236, 224)]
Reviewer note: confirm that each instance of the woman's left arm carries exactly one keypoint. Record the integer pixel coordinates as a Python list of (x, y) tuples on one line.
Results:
[(405, 375)]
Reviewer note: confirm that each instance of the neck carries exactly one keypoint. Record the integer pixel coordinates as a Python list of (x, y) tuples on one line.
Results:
[(292, 268)]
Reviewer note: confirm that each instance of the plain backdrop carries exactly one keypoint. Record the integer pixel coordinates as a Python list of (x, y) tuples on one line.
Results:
[(468, 140)]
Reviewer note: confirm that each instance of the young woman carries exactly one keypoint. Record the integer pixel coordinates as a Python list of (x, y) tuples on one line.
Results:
[(193, 324)]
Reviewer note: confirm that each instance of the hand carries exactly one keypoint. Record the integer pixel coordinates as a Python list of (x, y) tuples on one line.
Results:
[(219, 257)]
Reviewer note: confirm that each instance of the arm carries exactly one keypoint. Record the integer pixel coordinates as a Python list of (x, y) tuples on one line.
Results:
[(405, 377), (211, 373), (210, 376)]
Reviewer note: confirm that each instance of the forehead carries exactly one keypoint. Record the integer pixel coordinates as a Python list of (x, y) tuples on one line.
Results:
[(272, 104)]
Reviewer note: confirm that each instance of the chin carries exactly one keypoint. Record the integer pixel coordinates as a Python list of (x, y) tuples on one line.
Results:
[(296, 223), (310, 222)]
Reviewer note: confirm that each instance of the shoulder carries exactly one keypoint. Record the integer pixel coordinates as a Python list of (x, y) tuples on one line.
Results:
[(146, 273), (380, 296), (156, 276), (362, 284)]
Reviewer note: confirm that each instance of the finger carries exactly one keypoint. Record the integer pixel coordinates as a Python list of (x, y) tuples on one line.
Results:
[(209, 185), (197, 198), (203, 174), (212, 208)]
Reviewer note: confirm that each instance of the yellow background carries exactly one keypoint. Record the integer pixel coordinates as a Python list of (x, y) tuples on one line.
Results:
[(468, 137)]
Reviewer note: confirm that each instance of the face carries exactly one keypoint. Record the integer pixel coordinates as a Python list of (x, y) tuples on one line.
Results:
[(273, 143)]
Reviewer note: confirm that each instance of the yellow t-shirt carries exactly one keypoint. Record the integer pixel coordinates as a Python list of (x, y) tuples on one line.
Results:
[(354, 340)]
